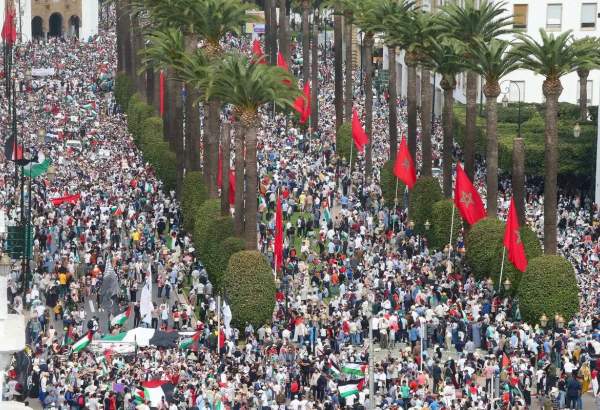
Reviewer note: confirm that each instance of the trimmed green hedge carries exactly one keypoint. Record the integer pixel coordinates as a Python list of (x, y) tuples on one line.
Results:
[(424, 194), (193, 194), (549, 287), (137, 113), (484, 251), (217, 256), (208, 211), (387, 181), (250, 289), (441, 217), (576, 155), (124, 89), (343, 141)]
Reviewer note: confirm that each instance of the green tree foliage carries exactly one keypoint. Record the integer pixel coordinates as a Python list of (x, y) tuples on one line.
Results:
[(549, 287), (218, 255), (250, 289), (211, 250), (439, 230), (208, 211), (424, 194), (484, 251), (387, 181), (193, 194), (123, 90), (343, 139)]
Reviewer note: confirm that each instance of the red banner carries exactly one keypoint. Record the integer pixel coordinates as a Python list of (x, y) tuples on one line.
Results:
[(69, 199)]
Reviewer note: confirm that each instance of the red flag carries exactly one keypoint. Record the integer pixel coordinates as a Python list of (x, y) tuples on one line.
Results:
[(257, 52), (466, 198), (358, 133), (283, 64), (231, 187), (512, 239), (505, 360), (278, 248), (220, 169), (161, 98), (9, 28), (404, 168), (70, 199), (302, 104), (222, 339)]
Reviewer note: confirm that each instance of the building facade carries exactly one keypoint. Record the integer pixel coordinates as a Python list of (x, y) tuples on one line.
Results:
[(40, 19)]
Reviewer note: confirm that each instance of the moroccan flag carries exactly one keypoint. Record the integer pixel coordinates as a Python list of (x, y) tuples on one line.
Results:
[(70, 199), (354, 369), (404, 168), (466, 198), (155, 390), (161, 92), (283, 64), (350, 387), (189, 341), (358, 133), (505, 360), (257, 52), (222, 339), (9, 28), (302, 104), (83, 342), (120, 319), (220, 169), (512, 239), (278, 248), (231, 187)]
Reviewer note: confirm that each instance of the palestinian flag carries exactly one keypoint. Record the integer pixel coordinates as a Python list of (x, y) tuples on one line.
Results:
[(138, 396), (189, 341), (120, 319), (38, 166), (334, 369), (83, 342), (350, 387), (155, 390), (354, 369), (69, 336), (120, 337)]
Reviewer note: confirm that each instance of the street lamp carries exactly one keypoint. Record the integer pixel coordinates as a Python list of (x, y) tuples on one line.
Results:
[(560, 322), (543, 320), (577, 130), (427, 225), (505, 102), (507, 284)]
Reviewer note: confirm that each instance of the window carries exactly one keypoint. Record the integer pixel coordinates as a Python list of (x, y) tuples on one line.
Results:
[(554, 17), (520, 16), (588, 15), (590, 89)]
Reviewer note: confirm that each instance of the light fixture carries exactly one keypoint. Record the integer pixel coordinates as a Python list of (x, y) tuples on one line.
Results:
[(507, 284), (5, 265), (543, 320), (505, 101), (560, 322), (577, 130), (427, 225)]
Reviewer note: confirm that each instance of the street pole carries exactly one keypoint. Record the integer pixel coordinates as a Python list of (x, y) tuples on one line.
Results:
[(371, 367), (433, 100), (597, 193)]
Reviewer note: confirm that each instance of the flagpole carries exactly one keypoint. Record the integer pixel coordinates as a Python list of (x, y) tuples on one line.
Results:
[(501, 268), (351, 151), (451, 230)]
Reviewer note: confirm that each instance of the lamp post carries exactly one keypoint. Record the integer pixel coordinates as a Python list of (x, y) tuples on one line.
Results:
[(577, 130), (505, 102), (543, 321), (285, 284), (507, 284)]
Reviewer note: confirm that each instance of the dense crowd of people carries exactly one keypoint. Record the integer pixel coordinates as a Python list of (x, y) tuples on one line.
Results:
[(358, 274)]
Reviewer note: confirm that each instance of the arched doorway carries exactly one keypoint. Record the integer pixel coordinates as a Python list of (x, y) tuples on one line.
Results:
[(37, 28), (56, 23), (74, 26)]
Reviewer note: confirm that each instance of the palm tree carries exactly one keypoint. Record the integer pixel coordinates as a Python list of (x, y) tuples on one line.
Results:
[(583, 70), (314, 104), (446, 58), (338, 7), (475, 21), (348, 33), (551, 57), (284, 41), (305, 6), (493, 63), (247, 87), (124, 62)]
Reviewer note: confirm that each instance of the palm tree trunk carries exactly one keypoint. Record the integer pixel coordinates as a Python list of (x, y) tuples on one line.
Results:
[(369, 102), (348, 90), (314, 104), (470, 124), (268, 28), (238, 224), (518, 178), (178, 135), (411, 106), (305, 42), (284, 47), (426, 104), (447, 145), (150, 86), (193, 136), (126, 27), (156, 96), (138, 44), (252, 189), (274, 32), (226, 150), (169, 113), (492, 91), (583, 77), (393, 104), (120, 35), (552, 90), (339, 70), (211, 146)]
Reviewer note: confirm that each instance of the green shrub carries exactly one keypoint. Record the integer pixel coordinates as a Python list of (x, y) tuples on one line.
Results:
[(208, 211), (424, 194), (484, 251), (193, 194), (250, 288), (123, 90), (593, 111), (388, 181), (216, 255), (441, 217), (549, 287), (166, 168), (137, 114), (343, 141)]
